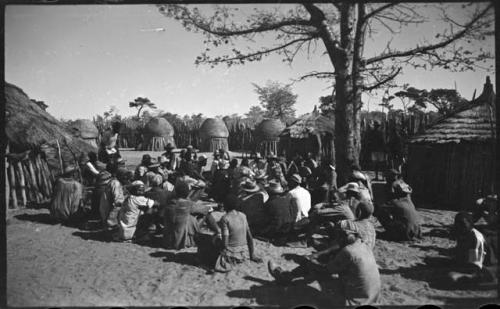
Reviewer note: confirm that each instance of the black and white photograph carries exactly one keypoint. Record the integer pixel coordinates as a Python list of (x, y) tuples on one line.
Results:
[(256, 154)]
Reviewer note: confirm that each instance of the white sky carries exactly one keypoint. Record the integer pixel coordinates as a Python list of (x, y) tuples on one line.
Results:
[(82, 59)]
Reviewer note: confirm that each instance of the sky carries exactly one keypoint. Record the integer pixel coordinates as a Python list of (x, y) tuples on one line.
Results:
[(82, 59)]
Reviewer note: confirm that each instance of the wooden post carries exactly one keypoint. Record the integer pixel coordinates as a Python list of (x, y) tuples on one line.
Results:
[(12, 179), (60, 156), (7, 187), (22, 183)]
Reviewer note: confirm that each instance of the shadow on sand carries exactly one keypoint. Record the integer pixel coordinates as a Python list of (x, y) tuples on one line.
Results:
[(43, 218), (184, 258)]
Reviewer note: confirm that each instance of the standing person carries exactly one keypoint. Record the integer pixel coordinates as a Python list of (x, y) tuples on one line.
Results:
[(236, 237), (398, 216), (111, 200), (395, 146), (354, 262), (136, 214), (394, 180), (170, 156), (99, 189), (310, 162), (109, 150), (90, 168), (377, 148), (215, 164), (66, 204)]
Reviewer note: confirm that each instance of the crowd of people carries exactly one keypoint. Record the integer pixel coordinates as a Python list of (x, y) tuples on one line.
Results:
[(222, 207)]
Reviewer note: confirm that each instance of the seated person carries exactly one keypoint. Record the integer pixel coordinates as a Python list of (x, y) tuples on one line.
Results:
[(393, 179), (180, 222), (251, 203), (398, 216), (196, 187), (278, 210), (342, 210), (365, 186), (236, 237), (355, 264), (136, 214), (160, 195), (66, 204), (487, 208), (469, 252)]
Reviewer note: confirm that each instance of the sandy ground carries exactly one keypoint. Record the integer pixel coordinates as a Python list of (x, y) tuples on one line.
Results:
[(53, 265)]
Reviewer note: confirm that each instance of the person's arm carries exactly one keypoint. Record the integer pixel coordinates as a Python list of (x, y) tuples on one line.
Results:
[(253, 257), (92, 168), (117, 193)]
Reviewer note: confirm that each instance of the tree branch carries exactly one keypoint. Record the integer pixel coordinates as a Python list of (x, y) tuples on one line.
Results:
[(425, 49), (383, 81), (378, 10)]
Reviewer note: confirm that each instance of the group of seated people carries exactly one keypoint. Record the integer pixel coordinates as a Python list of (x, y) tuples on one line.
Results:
[(222, 209)]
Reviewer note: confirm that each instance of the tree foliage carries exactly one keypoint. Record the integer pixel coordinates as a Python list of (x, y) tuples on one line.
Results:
[(277, 99), (255, 114), (444, 100), (140, 103)]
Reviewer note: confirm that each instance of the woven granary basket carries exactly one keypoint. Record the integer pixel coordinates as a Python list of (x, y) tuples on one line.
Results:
[(212, 127), (269, 129)]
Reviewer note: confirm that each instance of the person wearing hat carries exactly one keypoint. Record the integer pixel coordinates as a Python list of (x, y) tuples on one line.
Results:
[(251, 203), (358, 281), (376, 146), (393, 181), (224, 154), (240, 173), (142, 168), (326, 183), (170, 157), (362, 179), (196, 186), (66, 205), (363, 225), (135, 215), (279, 211), (236, 237), (398, 216), (310, 162), (300, 199), (261, 179)]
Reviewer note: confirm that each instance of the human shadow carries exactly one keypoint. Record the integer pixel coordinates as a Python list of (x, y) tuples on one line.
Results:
[(270, 293), (439, 250), (184, 258), (44, 218)]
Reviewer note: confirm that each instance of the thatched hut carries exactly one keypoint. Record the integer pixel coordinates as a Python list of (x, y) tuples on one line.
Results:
[(312, 132), (452, 163), (267, 135), (213, 134), (86, 130), (158, 132), (38, 149)]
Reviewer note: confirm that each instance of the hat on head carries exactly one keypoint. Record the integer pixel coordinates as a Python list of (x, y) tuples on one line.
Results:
[(154, 164), (146, 157), (137, 183), (351, 186), (202, 157), (296, 178), (275, 187), (260, 175), (357, 175), (162, 159), (169, 146), (249, 186)]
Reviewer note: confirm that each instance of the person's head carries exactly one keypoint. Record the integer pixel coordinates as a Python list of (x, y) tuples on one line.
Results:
[(115, 126), (137, 188), (169, 147), (231, 202), (244, 162), (294, 181), (350, 190), (181, 189), (146, 159), (274, 187), (222, 151), (92, 156), (249, 186), (216, 155), (463, 224), (376, 125), (162, 160), (156, 181), (233, 163), (345, 236), (364, 210), (392, 175), (123, 175), (402, 189), (202, 160), (141, 170)]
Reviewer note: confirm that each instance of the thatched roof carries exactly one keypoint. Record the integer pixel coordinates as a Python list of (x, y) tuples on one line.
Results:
[(213, 127), (472, 122), (29, 127), (269, 129), (310, 124), (84, 128), (159, 127)]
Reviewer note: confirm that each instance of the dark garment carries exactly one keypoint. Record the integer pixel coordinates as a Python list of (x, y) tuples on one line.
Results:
[(253, 207), (400, 219), (180, 225), (221, 185), (376, 141), (160, 195), (280, 214)]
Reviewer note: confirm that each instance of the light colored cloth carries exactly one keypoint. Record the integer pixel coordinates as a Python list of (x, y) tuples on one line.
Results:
[(67, 199), (129, 213), (301, 200), (112, 197), (477, 254), (358, 274)]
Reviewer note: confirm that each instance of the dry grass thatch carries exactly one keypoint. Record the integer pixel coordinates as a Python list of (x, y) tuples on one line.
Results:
[(474, 122), (213, 127), (269, 129), (310, 124), (29, 127), (159, 127), (84, 128)]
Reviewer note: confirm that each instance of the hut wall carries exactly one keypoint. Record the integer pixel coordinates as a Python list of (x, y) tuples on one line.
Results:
[(214, 144), (157, 143), (450, 176)]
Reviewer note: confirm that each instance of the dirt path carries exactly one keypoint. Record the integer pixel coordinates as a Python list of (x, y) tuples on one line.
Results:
[(53, 265)]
